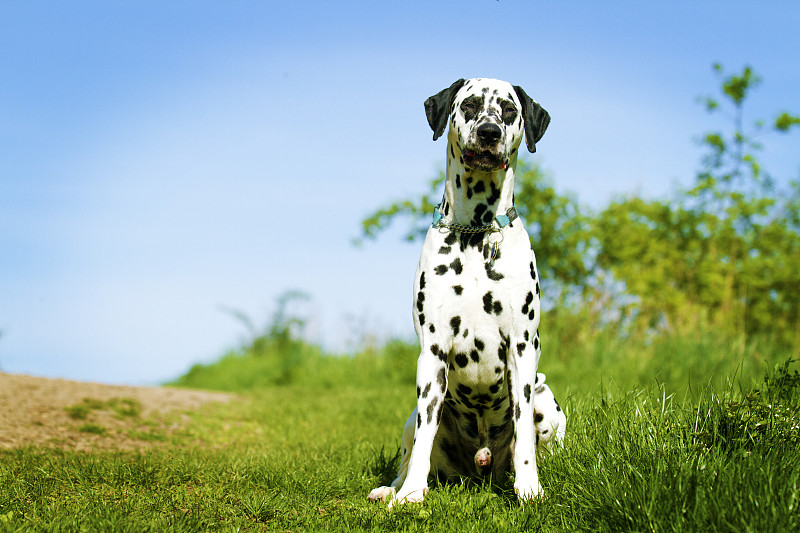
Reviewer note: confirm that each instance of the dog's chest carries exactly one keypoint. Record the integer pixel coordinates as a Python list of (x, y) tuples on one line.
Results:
[(467, 307)]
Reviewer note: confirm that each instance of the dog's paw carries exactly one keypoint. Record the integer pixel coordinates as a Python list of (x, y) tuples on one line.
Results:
[(529, 492), (381, 494), (409, 496)]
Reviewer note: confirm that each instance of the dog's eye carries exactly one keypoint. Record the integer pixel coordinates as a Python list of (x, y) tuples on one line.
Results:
[(509, 114), (468, 106)]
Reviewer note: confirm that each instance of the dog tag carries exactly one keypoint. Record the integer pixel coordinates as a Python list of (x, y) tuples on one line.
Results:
[(493, 254)]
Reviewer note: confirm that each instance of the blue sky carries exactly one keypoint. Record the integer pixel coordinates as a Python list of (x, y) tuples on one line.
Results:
[(161, 161)]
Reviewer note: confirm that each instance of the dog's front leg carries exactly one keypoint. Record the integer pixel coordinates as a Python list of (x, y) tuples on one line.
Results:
[(522, 365), (431, 387)]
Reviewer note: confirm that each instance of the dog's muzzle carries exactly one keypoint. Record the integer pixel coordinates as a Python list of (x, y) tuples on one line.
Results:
[(486, 155)]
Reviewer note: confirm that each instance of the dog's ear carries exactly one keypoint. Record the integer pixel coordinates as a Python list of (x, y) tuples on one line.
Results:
[(535, 117), (437, 108)]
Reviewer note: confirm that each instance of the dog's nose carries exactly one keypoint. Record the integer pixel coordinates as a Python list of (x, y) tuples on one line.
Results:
[(489, 133)]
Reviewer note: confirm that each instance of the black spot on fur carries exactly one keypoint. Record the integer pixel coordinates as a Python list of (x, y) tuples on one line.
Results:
[(483, 399), (450, 239), (533, 271), (458, 178), (528, 301), (471, 240), (440, 270), (426, 390), (527, 392), (517, 412), (461, 360), (502, 353), (496, 431), (422, 280), (472, 425), (494, 389), (421, 319), (492, 274), (487, 302), (431, 407), (521, 347), (455, 323), (479, 344), (502, 350), (441, 379), (419, 422), (457, 266), (463, 389), (458, 289), (479, 187), (474, 356), (432, 328), (438, 352), (444, 250), (495, 194), (491, 306), (420, 299)]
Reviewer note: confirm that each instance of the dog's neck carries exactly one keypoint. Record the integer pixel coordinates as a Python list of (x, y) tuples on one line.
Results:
[(473, 197)]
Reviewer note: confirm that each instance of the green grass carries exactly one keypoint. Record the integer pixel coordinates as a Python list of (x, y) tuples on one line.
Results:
[(121, 407), (645, 450)]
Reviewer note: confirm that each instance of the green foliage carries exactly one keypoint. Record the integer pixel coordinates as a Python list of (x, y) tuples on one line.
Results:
[(724, 254), (418, 210)]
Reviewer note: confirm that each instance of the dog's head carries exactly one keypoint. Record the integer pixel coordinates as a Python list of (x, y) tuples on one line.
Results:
[(487, 118)]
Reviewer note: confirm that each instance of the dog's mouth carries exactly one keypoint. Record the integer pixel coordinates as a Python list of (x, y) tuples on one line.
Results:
[(484, 160)]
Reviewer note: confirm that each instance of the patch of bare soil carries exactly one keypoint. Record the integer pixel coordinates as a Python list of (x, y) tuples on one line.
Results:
[(91, 416)]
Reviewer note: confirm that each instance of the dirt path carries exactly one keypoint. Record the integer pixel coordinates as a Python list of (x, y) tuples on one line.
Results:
[(90, 416)]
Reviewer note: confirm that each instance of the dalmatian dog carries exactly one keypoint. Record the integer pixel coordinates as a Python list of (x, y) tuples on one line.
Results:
[(482, 408)]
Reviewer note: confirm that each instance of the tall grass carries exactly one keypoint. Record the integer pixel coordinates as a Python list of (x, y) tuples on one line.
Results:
[(691, 432), (577, 356)]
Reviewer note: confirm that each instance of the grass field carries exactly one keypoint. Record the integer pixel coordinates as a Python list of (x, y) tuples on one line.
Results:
[(690, 433)]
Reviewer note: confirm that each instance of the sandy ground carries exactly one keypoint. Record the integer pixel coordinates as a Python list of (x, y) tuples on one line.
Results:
[(33, 412)]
